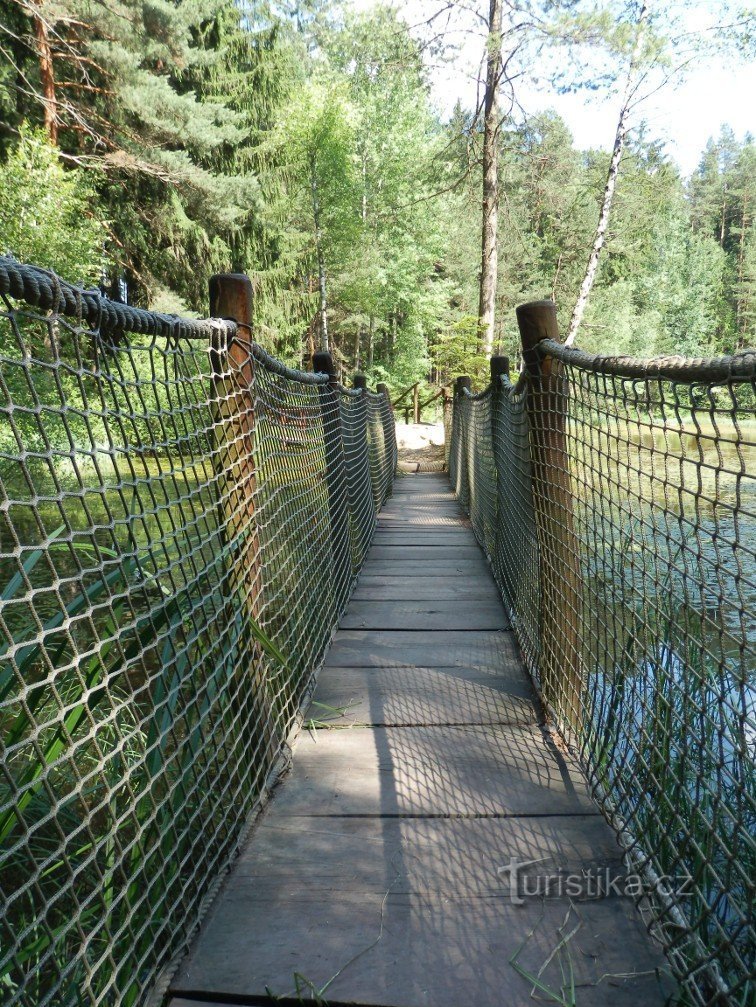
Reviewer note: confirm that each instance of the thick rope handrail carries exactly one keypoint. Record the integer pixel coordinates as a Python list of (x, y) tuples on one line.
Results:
[(740, 366), (623, 545), (183, 524), (277, 366), (737, 367), (477, 396), (41, 288)]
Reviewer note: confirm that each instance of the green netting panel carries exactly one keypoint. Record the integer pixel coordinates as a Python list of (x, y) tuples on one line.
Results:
[(645, 554), (180, 529)]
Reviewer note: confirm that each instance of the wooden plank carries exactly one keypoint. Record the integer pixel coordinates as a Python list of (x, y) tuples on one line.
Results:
[(432, 531), (423, 521), (378, 587), (408, 950), (421, 480), (397, 697), (427, 499), (420, 552), (431, 493), (183, 1002), (435, 498), (437, 491), (409, 510), (434, 484), (355, 853), (425, 615), (407, 913), (410, 505), (513, 770), (435, 567), (441, 537), (373, 875), (364, 648)]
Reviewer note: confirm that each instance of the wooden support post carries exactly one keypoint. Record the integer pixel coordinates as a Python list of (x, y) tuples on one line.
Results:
[(233, 389), (389, 431), (360, 382), (499, 367), (559, 574), (461, 487), (416, 403), (335, 476), (233, 375)]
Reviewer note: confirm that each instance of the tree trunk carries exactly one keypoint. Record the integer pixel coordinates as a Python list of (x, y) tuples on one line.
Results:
[(319, 256), (489, 263), (724, 217), (357, 340), (47, 77), (371, 342), (364, 189), (310, 343), (611, 183), (741, 302)]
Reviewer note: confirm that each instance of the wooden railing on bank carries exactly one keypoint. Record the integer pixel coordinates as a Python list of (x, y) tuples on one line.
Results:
[(414, 408)]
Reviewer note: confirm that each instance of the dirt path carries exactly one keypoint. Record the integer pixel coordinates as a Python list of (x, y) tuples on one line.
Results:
[(421, 446)]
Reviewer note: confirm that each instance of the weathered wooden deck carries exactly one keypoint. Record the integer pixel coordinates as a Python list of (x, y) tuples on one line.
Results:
[(373, 874)]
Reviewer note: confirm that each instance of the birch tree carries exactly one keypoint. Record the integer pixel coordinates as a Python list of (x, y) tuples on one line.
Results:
[(654, 45), (489, 262), (631, 83)]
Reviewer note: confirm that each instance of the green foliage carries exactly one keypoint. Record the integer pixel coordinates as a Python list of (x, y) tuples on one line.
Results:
[(458, 352), (722, 195), (48, 214), (127, 883), (215, 133)]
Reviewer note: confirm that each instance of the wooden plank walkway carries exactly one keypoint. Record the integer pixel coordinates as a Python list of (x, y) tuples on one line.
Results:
[(374, 875)]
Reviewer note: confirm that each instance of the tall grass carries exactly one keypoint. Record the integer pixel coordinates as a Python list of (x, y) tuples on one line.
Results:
[(107, 723)]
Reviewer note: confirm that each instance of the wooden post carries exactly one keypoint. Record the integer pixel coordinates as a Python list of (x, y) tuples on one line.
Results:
[(389, 432), (499, 366), (559, 574), (335, 476), (448, 419), (233, 374), (416, 403), (460, 442), (360, 382)]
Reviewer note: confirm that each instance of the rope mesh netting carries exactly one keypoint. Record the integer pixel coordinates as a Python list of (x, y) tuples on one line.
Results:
[(616, 500), (181, 524)]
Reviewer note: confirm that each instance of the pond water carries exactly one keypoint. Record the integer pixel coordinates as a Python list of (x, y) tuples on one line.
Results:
[(667, 522)]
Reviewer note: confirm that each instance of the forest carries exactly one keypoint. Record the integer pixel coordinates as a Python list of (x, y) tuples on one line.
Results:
[(146, 145)]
